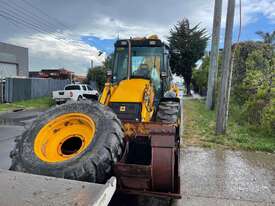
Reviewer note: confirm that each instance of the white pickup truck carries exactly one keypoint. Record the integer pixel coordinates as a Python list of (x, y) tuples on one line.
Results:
[(75, 92)]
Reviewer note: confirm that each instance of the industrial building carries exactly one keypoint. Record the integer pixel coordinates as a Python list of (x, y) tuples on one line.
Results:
[(14, 61)]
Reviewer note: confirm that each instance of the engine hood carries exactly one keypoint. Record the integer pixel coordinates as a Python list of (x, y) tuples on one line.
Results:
[(131, 90)]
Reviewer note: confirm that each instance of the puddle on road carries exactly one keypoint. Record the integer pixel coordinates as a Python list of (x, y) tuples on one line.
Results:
[(19, 118), (11, 122)]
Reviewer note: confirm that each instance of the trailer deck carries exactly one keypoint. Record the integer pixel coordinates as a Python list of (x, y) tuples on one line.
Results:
[(27, 189)]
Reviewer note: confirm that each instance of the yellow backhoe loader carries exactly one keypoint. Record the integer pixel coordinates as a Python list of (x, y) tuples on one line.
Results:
[(132, 133)]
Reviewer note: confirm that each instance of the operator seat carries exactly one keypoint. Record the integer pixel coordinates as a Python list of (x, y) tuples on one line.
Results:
[(142, 71)]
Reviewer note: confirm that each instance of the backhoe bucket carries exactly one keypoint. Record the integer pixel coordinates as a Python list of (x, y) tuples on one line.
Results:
[(149, 165)]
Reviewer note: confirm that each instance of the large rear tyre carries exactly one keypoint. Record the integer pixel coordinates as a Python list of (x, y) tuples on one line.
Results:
[(78, 140)]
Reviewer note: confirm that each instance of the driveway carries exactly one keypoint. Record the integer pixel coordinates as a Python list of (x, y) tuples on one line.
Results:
[(210, 177)]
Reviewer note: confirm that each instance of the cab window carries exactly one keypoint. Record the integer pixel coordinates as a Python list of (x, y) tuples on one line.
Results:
[(146, 63), (72, 87), (121, 64)]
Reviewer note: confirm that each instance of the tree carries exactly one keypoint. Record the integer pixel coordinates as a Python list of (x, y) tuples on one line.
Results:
[(187, 47), (268, 38), (98, 74), (108, 63)]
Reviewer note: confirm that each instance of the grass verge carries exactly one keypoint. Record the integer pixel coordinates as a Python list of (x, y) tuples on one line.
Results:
[(43, 102), (199, 129)]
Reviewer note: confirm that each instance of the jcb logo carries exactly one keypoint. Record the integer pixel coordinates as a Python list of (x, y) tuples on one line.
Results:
[(122, 108)]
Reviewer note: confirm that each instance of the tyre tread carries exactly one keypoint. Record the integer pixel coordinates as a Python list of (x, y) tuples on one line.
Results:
[(94, 168)]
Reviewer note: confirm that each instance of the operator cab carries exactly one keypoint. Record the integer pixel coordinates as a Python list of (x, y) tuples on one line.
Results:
[(149, 58), (140, 77)]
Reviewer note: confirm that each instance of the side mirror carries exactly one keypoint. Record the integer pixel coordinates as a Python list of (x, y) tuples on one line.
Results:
[(176, 51), (163, 75), (109, 73), (100, 53)]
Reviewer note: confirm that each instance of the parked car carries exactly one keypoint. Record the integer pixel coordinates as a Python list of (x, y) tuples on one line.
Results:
[(75, 92)]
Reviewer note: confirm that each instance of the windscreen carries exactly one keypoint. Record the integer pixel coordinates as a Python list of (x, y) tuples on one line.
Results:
[(145, 63)]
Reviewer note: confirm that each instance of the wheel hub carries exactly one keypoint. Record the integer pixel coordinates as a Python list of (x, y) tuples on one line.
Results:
[(64, 137)]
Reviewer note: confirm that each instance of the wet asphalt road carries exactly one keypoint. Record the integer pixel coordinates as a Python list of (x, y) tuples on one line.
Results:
[(218, 177), (209, 177), (13, 124)]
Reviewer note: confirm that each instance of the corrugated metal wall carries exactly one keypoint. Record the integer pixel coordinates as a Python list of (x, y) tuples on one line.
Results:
[(2, 91), (17, 89)]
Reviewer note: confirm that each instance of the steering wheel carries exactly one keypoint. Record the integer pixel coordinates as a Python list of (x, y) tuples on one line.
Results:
[(143, 71)]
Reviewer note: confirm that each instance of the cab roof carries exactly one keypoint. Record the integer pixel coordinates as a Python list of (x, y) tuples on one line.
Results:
[(140, 42)]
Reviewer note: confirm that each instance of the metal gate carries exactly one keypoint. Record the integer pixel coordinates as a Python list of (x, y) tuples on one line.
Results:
[(6, 70)]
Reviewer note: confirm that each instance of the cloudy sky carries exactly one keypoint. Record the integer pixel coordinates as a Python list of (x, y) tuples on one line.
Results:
[(69, 33)]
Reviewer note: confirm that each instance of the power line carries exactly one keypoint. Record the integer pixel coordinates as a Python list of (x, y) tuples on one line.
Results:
[(21, 21), (17, 18), (29, 18), (26, 25), (12, 22), (45, 14), (17, 9), (25, 22)]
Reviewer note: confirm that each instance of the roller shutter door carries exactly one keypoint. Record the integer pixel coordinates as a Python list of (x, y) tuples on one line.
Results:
[(8, 70)]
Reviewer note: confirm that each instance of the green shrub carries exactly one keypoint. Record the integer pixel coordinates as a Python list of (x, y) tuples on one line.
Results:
[(248, 56), (200, 77), (268, 118), (252, 85)]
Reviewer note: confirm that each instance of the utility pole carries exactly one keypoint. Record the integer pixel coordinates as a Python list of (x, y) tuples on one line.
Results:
[(222, 113), (92, 64), (2, 87), (212, 76)]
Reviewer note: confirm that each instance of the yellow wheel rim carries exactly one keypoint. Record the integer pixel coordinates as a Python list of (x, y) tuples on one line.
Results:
[(64, 137)]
